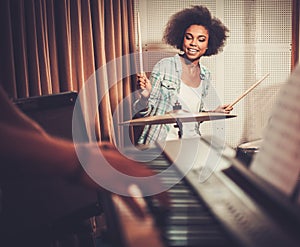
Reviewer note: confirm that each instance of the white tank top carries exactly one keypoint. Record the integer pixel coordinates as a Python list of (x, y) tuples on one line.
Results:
[(190, 100)]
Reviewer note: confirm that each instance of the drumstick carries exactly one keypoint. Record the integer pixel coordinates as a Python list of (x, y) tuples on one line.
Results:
[(140, 43), (143, 91), (247, 91)]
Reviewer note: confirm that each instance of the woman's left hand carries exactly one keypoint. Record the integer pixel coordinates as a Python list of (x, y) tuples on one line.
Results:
[(224, 109)]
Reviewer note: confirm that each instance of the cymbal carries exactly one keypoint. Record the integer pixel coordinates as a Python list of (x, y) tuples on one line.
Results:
[(178, 115)]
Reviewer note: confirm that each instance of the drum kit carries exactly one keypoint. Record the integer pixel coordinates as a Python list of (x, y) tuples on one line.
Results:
[(177, 117), (245, 151)]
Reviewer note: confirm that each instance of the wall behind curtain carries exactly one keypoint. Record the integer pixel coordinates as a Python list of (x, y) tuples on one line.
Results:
[(52, 46)]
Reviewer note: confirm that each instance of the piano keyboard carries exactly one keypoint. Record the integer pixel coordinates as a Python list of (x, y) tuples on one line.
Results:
[(215, 213), (189, 222)]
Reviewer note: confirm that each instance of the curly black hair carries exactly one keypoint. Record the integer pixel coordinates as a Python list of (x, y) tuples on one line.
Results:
[(196, 15)]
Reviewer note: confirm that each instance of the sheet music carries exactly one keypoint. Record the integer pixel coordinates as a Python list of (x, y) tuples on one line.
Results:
[(278, 161)]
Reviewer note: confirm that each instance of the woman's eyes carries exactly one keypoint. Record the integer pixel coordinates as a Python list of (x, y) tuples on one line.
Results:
[(190, 38)]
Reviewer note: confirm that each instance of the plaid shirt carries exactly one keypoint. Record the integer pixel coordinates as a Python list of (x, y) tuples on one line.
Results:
[(166, 80)]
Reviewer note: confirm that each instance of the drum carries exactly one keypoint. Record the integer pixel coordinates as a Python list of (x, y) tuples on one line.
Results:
[(246, 151)]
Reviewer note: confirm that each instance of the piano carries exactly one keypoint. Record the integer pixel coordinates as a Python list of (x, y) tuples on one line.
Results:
[(218, 203)]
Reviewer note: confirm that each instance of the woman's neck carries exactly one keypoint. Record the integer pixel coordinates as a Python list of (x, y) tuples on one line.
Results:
[(188, 62), (190, 72)]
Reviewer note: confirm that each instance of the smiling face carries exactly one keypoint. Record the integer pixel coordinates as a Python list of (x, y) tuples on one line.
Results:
[(195, 42)]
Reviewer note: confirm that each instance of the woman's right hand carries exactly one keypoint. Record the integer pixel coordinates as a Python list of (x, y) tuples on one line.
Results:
[(144, 84)]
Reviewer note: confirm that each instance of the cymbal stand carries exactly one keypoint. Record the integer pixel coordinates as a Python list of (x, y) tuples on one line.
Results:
[(178, 124)]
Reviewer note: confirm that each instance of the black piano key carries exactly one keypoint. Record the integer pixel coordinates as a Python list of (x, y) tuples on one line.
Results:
[(192, 209), (183, 219)]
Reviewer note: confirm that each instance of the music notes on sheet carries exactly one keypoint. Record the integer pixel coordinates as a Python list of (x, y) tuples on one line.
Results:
[(278, 161)]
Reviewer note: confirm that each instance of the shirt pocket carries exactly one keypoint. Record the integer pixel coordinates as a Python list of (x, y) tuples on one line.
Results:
[(168, 87)]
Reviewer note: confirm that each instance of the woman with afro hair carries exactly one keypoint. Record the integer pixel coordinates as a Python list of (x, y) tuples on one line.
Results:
[(182, 78)]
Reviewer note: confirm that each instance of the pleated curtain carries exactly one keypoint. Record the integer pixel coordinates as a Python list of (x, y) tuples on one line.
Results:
[(53, 46)]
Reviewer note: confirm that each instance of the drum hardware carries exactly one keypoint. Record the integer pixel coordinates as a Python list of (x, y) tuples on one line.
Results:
[(177, 116), (247, 150)]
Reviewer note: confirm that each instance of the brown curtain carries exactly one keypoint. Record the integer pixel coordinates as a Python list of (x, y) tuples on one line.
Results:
[(295, 33), (52, 46)]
